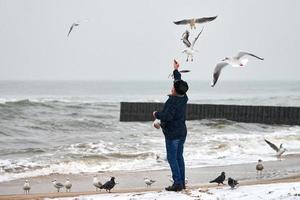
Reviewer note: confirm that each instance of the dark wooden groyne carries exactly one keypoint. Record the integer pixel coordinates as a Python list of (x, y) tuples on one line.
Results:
[(141, 111)]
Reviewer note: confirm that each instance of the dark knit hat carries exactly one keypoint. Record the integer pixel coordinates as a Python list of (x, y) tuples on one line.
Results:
[(181, 87)]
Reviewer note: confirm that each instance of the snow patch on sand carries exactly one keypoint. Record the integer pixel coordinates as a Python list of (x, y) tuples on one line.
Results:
[(276, 191)]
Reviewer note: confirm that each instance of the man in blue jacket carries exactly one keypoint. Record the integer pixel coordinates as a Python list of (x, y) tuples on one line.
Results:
[(172, 119)]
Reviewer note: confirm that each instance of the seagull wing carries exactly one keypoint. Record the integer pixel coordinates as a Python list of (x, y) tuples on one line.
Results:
[(59, 185), (205, 19), (185, 38), (217, 72), (197, 37), (185, 21), (243, 53), (71, 28), (273, 146)]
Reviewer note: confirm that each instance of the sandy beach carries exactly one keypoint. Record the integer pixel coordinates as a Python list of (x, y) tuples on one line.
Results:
[(286, 170)]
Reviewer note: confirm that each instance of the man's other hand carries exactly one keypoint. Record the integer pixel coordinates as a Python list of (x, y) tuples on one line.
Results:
[(154, 114)]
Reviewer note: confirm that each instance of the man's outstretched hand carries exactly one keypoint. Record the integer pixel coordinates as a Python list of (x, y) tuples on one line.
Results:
[(176, 65)]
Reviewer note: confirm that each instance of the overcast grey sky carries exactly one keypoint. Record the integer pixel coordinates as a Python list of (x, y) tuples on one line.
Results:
[(137, 40)]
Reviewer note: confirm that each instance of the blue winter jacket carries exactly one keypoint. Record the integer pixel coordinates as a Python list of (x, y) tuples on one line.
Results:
[(173, 115)]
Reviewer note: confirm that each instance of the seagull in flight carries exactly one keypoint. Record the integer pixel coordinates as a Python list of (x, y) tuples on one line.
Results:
[(71, 28), (236, 61), (189, 50), (192, 22), (279, 151)]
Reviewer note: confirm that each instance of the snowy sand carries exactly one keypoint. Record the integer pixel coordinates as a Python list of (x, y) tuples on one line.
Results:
[(278, 191)]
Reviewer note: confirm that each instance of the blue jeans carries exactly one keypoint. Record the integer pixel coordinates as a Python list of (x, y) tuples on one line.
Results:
[(175, 159)]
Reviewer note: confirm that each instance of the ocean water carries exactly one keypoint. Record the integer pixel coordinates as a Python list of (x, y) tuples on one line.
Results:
[(73, 126)]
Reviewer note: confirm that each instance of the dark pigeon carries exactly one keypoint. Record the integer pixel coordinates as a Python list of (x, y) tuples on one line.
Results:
[(109, 184), (232, 183), (220, 179)]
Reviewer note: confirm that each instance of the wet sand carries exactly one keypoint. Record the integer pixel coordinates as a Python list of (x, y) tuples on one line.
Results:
[(287, 170)]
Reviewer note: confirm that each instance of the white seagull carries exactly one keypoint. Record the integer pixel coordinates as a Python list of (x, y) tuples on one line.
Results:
[(26, 187), (71, 28), (149, 182), (96, 183), (237, 61), (57, 185), (259, 167), (190, 47), (68, 185), (279, 151), (194, 21)]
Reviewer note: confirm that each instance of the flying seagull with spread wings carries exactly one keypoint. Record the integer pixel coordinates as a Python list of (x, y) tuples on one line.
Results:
[(279, 151), (71, 28), (236, 61), (189, 50), (192, 22)]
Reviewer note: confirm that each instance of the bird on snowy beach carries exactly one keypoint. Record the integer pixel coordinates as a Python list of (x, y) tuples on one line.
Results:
[(26, 187), (96, 183), (232, 183), (149, 182), (259, 167), (57, 185), (220, 179), (236, 61), (68, 185), (109, 184), (279, 151)]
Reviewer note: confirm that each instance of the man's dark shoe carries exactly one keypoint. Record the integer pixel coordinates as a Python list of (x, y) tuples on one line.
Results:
[(174, 187)]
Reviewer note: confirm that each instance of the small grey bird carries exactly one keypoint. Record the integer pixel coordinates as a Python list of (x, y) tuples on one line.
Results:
[(149, 182), (96, 183), (259, 167), (57, 185), (192, 22), (220, 179), (109, 184), (26, 187), (279, 151), (232, 183), (68, 185)]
